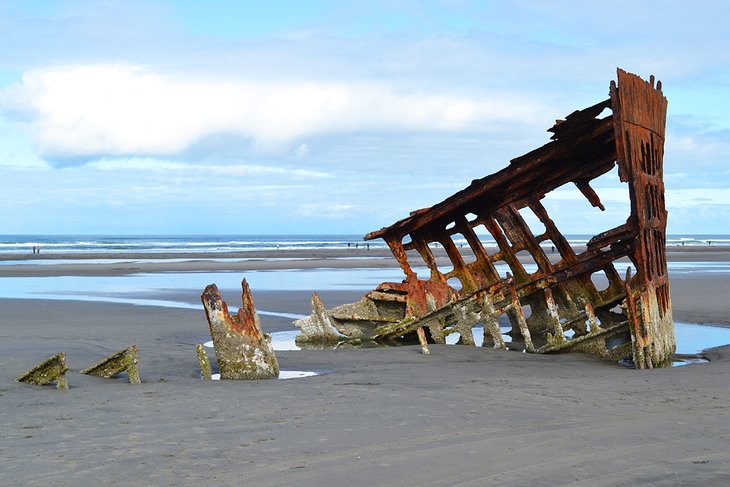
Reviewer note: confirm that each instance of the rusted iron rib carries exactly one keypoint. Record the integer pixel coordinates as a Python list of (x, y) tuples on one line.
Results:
[(560, 293)]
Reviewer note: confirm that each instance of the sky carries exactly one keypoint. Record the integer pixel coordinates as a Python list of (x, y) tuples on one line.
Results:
[(332, 117)]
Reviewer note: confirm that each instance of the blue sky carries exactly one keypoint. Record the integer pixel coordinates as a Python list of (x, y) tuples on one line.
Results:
[(133, 117)]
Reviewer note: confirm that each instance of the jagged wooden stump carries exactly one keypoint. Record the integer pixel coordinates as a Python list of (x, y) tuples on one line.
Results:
[(241, 349), (52, 369)]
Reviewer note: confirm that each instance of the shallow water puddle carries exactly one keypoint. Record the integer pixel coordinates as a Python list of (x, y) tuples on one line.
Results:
[(691, 339), (117, 289), (281, 340), (689, 361), (283, 374)]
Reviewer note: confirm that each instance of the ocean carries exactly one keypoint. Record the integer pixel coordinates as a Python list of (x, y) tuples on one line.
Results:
[(13, 244), (175, 243)]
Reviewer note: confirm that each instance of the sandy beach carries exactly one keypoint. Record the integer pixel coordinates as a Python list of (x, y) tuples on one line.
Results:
[(377, 416)]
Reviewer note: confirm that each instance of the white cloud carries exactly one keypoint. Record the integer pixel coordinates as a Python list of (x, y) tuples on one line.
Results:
[(302, 150), (160, 165), (675, 198), (691, 197), (252, 169), (138, 163), (118, 109), (569, 192), (697, 147), (325, 210)]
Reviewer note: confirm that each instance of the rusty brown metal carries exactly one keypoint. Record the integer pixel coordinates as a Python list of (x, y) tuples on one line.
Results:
[(631, 317), (422, 339), (242, 350)]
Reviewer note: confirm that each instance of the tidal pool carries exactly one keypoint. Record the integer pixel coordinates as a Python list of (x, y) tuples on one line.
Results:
[(691, 338), (283, 374)]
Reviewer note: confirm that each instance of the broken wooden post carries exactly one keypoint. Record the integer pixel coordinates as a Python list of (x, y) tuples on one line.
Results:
[(205, 370), (241, 349), (52, 369), (116, 363)]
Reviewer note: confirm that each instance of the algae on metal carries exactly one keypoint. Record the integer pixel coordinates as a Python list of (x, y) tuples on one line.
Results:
[(205, 371), (318, 326), (242, 350), (52, 369), (116, 363)]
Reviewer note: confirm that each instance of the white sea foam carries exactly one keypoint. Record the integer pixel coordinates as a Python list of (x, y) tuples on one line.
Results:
[(235, 243)]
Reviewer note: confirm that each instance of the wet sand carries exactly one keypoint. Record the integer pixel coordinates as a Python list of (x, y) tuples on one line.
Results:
[(388, 416)]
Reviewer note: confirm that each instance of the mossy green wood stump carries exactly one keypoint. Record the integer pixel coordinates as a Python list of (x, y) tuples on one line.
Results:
[(241, 349), (52, 369), (115, 364)]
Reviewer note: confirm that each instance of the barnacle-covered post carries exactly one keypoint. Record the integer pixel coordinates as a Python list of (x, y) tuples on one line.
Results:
[(242, 350)]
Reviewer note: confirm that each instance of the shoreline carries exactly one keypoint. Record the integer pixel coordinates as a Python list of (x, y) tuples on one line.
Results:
[(273, 253), (81, 264), (697, 294)]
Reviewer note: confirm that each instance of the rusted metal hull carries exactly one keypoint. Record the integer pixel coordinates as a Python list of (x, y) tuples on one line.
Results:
[(52, 369), (126, 360), (242, 350), (632, 317)]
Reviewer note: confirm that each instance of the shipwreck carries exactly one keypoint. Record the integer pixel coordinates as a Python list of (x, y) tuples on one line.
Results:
[(630, 319)]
